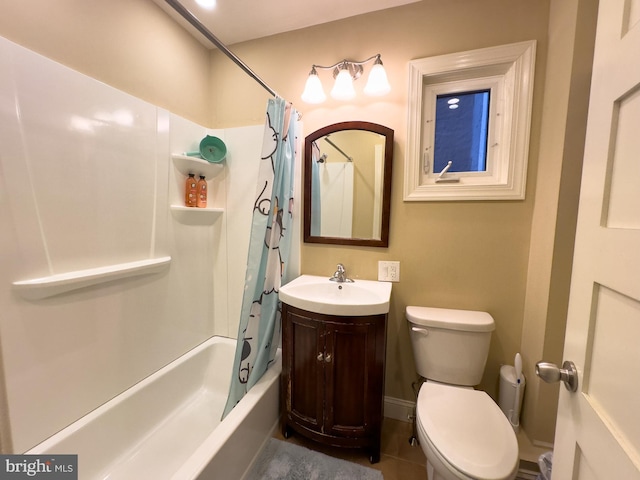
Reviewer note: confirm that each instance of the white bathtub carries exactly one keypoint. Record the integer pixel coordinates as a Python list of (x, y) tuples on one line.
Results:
[(168, 425)]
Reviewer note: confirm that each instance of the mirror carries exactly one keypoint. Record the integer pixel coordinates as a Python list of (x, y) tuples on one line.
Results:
[(347, 184)]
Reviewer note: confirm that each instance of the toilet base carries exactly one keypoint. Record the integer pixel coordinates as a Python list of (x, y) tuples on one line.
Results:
[(413, 439), (431, 474), (442, 472), (436, 468)]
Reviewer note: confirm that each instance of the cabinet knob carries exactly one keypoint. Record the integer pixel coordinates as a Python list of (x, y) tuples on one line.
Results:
[(327, 358), (320, 357)]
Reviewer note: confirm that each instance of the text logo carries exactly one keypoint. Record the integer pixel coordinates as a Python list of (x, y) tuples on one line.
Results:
[(39, 467)]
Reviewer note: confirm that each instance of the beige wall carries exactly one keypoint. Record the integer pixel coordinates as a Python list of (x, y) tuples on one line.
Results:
[(512, 259), (129, 44), (472, 255), (469, 255), (571, 36)]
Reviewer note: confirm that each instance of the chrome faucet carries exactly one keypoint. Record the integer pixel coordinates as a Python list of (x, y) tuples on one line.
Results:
[(340, 275)]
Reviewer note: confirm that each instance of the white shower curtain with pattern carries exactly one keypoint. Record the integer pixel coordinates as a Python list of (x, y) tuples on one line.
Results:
[(260, 321)]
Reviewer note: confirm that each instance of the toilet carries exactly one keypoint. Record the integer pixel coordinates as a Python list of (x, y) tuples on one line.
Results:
[(462, 431)]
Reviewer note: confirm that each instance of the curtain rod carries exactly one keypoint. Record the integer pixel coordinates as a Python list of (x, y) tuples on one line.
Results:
[(191, 18), (326, 139)]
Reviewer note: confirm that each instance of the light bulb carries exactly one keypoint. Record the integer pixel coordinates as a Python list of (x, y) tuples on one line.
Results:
[(208, 4), (343, 87), (313, 91), (377, 83)]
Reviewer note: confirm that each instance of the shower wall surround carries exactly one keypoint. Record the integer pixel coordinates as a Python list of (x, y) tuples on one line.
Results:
[(86, 181)]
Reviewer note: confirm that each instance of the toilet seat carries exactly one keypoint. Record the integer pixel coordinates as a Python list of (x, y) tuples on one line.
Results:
[(468, 430)]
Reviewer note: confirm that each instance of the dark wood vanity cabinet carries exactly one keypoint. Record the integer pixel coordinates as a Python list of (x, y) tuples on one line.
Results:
[(333, 378)]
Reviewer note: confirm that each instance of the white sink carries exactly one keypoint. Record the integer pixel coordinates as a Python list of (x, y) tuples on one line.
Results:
[(320, 295)]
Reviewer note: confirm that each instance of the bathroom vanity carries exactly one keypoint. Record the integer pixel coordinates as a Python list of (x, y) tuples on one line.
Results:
[(333, 377)]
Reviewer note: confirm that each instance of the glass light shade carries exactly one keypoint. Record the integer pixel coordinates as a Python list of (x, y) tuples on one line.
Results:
[(343, 87), (377, 83), (313, 91), (208, 4)]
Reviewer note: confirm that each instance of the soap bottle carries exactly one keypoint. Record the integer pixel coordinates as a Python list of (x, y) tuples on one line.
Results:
[(202, 193), (190, 191)]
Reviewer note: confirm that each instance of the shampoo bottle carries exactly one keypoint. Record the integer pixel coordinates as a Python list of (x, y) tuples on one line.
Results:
[(191, 191), (202, 192)]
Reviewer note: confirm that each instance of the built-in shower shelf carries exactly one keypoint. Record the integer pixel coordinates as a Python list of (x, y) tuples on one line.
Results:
[(186, 165), (195, 216), (52, 285)]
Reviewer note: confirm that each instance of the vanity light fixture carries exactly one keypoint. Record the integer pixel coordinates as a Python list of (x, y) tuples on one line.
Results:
[(345, 72)]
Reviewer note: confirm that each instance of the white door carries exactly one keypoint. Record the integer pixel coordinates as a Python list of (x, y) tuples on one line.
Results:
[(598, 429)]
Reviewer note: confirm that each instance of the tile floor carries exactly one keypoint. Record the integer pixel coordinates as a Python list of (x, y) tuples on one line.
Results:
[(401, 461), (398, 459)]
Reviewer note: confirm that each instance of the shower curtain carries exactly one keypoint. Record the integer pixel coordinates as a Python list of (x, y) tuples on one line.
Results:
[(336, 191), (316, 227), (259, 330)]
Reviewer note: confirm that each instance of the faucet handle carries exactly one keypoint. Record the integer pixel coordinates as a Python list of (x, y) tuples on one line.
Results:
[(340, 275)]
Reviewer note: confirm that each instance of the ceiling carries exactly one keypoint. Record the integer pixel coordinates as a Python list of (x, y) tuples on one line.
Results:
[(233, 21)]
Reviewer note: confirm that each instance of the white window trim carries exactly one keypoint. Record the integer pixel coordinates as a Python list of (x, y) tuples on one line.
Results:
[(508, 70)]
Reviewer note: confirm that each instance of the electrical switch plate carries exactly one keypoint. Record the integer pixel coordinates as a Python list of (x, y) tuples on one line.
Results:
[(388, 271)]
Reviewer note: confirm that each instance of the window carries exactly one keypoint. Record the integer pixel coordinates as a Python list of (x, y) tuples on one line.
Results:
[(461, 129), (469, 120)]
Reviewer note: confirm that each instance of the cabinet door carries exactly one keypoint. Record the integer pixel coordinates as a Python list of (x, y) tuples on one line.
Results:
[(303, 366), (351, 377)]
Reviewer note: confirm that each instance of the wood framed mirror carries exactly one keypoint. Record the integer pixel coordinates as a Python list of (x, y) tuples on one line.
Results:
[(347, 184)]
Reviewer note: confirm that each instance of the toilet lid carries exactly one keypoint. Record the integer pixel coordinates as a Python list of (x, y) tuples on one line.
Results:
[(469, 430), (465, 320)]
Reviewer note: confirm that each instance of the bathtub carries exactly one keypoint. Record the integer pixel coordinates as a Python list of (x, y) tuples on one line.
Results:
[(168, 425)]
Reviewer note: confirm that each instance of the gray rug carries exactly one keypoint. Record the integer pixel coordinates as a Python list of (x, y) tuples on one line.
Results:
[(283, 460)]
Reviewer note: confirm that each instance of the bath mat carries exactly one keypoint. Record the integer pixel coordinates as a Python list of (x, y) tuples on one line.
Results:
[(282, 460)]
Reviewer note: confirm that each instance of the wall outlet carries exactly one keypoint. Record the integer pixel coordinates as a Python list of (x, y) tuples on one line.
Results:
[(388, 271)]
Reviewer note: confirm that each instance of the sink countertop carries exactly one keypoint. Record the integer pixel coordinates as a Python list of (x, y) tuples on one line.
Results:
[(321, 295)]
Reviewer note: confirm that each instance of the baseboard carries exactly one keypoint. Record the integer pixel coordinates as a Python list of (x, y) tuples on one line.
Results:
[(539, 444), (527, 470), (399, 409)]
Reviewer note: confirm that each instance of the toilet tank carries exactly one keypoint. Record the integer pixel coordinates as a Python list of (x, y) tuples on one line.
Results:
[(450, 346)]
